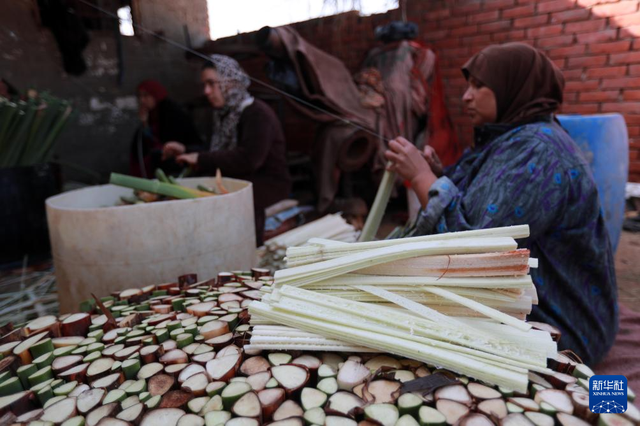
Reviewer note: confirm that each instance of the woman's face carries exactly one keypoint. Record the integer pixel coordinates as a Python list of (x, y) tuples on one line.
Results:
[(212, 90), (146, 101), (480, 103)]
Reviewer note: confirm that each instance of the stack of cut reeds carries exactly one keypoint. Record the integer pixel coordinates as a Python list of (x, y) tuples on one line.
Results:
[(455, 300), (331, 227)]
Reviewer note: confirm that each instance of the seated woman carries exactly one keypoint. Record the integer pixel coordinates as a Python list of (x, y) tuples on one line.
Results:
[(247, 142), (525, 169), (162, 120)]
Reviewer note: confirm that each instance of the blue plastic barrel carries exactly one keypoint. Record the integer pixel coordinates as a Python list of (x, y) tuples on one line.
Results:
[(605, 143)]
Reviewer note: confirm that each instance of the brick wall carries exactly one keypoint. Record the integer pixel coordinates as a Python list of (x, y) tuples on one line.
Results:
[(595, 42)]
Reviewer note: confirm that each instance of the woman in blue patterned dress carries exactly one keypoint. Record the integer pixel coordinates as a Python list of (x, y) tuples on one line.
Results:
[(525, 169)]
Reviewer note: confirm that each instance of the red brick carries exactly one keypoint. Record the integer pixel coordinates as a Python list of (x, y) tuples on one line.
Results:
[(435, 35), (634, 70), (549, 30), (599, 37), (455, 22), (587, 61), (616, 9), (585, 26), (625, 58), (426, 26), (450, 72), (498, 4), (577, 50), (533, 21), (463, 31), (621, 107), (480, 40), (570, 97), (570, 15), (572, 74), (626, 20), (495, 26), (484, 17), (634, 168), (634, 131), (508, 36), (564, 40), (636, 44), (580, 86), (631, 95), (607, 72), (467, 8), (612, 47), (458, 52), (622, 83), (600, 96), (518, 12), (554, 6), (434, 15), (580, 109), (447, 43)]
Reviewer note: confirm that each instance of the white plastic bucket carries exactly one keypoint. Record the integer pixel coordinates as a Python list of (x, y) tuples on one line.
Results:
[(99, 248)]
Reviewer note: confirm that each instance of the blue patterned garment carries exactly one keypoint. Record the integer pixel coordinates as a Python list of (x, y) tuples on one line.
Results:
[(535, 174)]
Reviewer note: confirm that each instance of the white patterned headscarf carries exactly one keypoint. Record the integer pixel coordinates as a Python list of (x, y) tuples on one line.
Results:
[(234, 83)]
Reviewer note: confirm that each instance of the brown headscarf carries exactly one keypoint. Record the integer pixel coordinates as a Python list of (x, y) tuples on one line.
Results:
[(526, 83)]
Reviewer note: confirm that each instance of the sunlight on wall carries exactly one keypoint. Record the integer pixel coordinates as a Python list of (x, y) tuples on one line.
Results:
[(228, 18)]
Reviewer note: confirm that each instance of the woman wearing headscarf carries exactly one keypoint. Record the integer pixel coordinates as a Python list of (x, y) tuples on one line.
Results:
[(247, 142), (525, 169), (161, 120)]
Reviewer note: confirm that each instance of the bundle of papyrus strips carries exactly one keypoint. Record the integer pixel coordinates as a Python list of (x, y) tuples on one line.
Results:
[(332, 227), (454, 300)]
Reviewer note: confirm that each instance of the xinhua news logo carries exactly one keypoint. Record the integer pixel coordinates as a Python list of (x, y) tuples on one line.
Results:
[(608, 394)]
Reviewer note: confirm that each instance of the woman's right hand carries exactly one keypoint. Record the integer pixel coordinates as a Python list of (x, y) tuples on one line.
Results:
[(172, 149), (432, 158)]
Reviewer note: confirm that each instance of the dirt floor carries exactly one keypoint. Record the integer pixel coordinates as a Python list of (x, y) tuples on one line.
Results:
[(628, 270)]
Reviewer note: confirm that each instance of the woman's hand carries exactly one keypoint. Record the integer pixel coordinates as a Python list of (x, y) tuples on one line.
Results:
[(411, 165), (172, 149), (188, 159), (433, 160), (407, 161)]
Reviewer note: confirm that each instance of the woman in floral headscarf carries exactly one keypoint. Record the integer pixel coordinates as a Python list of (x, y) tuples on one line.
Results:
[(247, 142)]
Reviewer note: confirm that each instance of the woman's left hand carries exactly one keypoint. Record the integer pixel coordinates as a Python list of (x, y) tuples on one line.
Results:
[(408, 161), (411, 165), (188, 159)]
